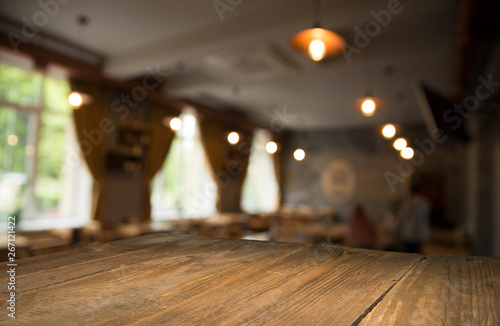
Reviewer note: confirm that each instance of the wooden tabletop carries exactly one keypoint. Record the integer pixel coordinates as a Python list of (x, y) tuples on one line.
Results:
[(164, 279)]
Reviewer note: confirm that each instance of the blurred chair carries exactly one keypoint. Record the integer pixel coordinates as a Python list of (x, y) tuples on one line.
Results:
[(91, 232), (287, 210), (327, 215), (307, 212)]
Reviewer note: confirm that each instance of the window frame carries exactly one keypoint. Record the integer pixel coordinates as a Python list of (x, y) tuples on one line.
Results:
[(186, 209), (32, 219)]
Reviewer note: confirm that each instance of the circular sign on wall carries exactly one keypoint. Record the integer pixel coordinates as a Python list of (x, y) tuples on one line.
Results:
[(339, 181)]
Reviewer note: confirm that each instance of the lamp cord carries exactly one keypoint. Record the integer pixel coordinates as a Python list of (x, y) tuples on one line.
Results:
[(369, 72), (82, 22), (317, 13)]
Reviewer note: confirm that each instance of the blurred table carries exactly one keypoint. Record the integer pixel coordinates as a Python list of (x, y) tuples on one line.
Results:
[(164, 279), (334, 232), (225, 219), (310, 232)]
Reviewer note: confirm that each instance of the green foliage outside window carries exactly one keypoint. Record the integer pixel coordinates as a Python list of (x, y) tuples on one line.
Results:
[(36, 121)]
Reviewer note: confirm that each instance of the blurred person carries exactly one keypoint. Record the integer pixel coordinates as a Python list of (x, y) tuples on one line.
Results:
[(360, 230), (388, 229), (413, 221)]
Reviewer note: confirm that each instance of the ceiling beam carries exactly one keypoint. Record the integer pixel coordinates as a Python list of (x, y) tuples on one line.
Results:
[(84, 71), (234, 119), (43, 56), (51, 42)]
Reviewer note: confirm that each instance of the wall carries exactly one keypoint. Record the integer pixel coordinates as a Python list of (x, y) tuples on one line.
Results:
[(122, 197), (483, 244), (373, 158), (123, 193), (496, 193), (370, 155), (487, 239)]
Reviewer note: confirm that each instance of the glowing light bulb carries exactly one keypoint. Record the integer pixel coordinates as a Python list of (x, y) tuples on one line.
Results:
[(299, 154), (29, 150), (271, 147), (317, 50), (75, 100), (233, 137), (368, 107), (407, 153), (400, 144), (388, 131), (12, 140), (175, 124)]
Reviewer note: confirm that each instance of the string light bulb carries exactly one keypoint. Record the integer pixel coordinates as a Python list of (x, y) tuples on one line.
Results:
[(407, 153), (299, 154), (388, 131), (233, 138), (271, 147), (175, 124), (75, 100), (368, 107), (400, 144)]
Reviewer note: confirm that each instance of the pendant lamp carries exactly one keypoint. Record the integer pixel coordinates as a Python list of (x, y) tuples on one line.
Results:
[(369, 103), (316, 42)]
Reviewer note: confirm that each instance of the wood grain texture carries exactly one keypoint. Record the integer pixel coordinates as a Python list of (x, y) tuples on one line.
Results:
[(165, 279), (443, 290)]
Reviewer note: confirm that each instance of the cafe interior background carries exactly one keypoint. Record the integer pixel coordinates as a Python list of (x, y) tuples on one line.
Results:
[(260, 120)]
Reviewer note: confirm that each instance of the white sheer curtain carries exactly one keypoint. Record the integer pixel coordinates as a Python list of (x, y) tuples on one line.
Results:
[(40, 164), (260, 189), (184, 187)]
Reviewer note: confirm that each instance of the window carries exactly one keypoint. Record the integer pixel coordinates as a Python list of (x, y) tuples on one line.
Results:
[(184, 186), (37, 137), (260, 188)]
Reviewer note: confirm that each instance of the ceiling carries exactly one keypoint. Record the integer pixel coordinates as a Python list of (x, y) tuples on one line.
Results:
[(268, 80)]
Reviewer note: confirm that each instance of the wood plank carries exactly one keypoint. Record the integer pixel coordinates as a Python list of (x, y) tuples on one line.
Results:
[(443, 290), (60, 267), (185, 280)]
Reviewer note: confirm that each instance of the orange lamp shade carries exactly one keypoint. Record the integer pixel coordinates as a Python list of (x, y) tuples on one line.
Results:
[(333, 43)]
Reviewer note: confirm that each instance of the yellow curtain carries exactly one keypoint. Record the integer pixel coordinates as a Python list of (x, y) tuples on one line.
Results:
[(213, 139), (241, 154), (161, 139), (277, 172), (228, 163), (88, 120)]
